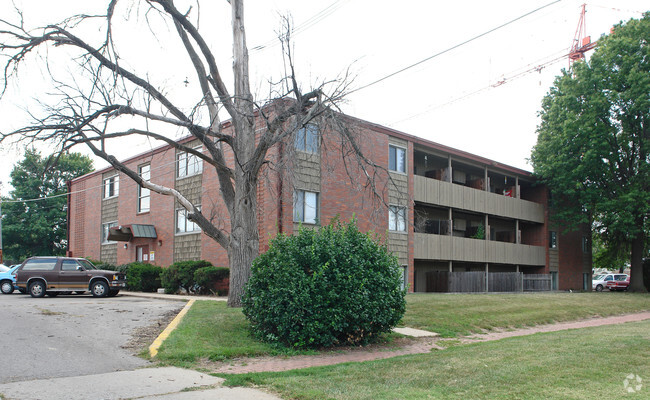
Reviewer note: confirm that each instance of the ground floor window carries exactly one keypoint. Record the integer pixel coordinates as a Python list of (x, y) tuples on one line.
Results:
[(404, 277), (105, 227)]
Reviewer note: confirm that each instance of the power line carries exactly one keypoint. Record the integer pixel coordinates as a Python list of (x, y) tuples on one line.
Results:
[(313, 20), (453, 47), (505, 80)]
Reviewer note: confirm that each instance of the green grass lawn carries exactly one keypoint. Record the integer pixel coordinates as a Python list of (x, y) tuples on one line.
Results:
[(452, 315), (213, 331), (577, 364)]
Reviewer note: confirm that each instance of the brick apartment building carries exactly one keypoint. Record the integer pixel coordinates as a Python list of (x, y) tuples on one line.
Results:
[(443, 209)]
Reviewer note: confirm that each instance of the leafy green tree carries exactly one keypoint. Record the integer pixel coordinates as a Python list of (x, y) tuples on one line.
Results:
[(593, 142), (34, 222)]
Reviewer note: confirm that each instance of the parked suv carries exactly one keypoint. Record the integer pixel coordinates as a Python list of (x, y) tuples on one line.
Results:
[(599, 282), (53, 275)]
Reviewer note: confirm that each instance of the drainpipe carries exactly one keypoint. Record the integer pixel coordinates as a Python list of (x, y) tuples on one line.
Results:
[(68, 185), (280, 191)]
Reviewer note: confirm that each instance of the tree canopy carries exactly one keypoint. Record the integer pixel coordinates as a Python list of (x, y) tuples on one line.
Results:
[(113, 96), (34, 222), (593, 145)]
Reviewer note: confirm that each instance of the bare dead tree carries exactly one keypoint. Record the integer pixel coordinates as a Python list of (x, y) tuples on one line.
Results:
[(108, 95)]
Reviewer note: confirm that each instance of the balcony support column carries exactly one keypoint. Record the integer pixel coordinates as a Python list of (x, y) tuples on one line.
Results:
[(517, 194), (517, 235), (486, 182)]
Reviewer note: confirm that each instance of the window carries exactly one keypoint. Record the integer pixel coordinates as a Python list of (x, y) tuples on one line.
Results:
[(397, 159), (552, 240), (586, 249), (40, 264), (188, 164), (183, 224), (305, 207), (144, 194), (111, 186), (397, 218), (70, 265), (307, 139), (105, 227)]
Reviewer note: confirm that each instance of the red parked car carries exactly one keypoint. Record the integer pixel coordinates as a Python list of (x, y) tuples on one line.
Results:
[(619, 284)]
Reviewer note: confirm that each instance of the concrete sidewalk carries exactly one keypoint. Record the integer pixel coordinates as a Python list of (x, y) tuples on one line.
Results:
[(148, 383), (176, 297)]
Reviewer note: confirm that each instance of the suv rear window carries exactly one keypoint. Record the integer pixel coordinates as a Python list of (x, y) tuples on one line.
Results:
[(40, 265)]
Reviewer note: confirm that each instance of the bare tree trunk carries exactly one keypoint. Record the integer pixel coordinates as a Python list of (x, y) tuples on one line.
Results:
[(244, 238), (636, 262)]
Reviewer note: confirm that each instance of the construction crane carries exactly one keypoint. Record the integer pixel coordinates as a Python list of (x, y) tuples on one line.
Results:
[(581, 42)]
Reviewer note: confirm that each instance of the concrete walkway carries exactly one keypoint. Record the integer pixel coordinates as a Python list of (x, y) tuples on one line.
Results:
[(422, 345), (177, 297), (148, 383)]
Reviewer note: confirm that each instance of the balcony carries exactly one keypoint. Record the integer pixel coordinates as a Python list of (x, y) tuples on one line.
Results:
[(446, 194), (445, 247)]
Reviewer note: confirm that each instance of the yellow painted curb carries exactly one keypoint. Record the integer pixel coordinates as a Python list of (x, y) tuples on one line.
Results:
[(153, 349)]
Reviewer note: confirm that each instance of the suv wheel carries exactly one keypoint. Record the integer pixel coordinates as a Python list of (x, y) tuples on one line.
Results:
[(99, 289), (7, 287), (37, 289), (599, 288)]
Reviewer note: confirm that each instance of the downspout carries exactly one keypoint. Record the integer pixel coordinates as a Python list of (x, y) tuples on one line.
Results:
[(68, 184), (280, 191)]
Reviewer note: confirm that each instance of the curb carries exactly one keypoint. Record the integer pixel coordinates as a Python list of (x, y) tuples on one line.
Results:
[(153, 349), (173, 297)]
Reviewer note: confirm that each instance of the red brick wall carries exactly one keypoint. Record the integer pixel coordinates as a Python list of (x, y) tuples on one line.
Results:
[(571, 260), (345, 198), (161, 214), (85, 217)]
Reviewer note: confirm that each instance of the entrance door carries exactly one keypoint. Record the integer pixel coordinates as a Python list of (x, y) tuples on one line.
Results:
[(142, 253)]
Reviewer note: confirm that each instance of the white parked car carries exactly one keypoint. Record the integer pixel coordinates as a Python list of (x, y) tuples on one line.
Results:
[(599, 282)]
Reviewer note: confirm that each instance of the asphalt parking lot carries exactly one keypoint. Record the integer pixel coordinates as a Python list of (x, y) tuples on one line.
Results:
[(73, 335)]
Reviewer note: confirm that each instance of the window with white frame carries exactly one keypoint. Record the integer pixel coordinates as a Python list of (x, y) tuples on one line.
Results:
[(396, 159), (307, 139), (105, 228), (111, 186), (188, 164), (397, 218), (144, 194), (183, 224), (305, 207)]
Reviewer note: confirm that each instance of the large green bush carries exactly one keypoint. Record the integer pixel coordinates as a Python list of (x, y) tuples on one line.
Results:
[(181, 275), (143, 277), (206, 278), (325, 287)]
